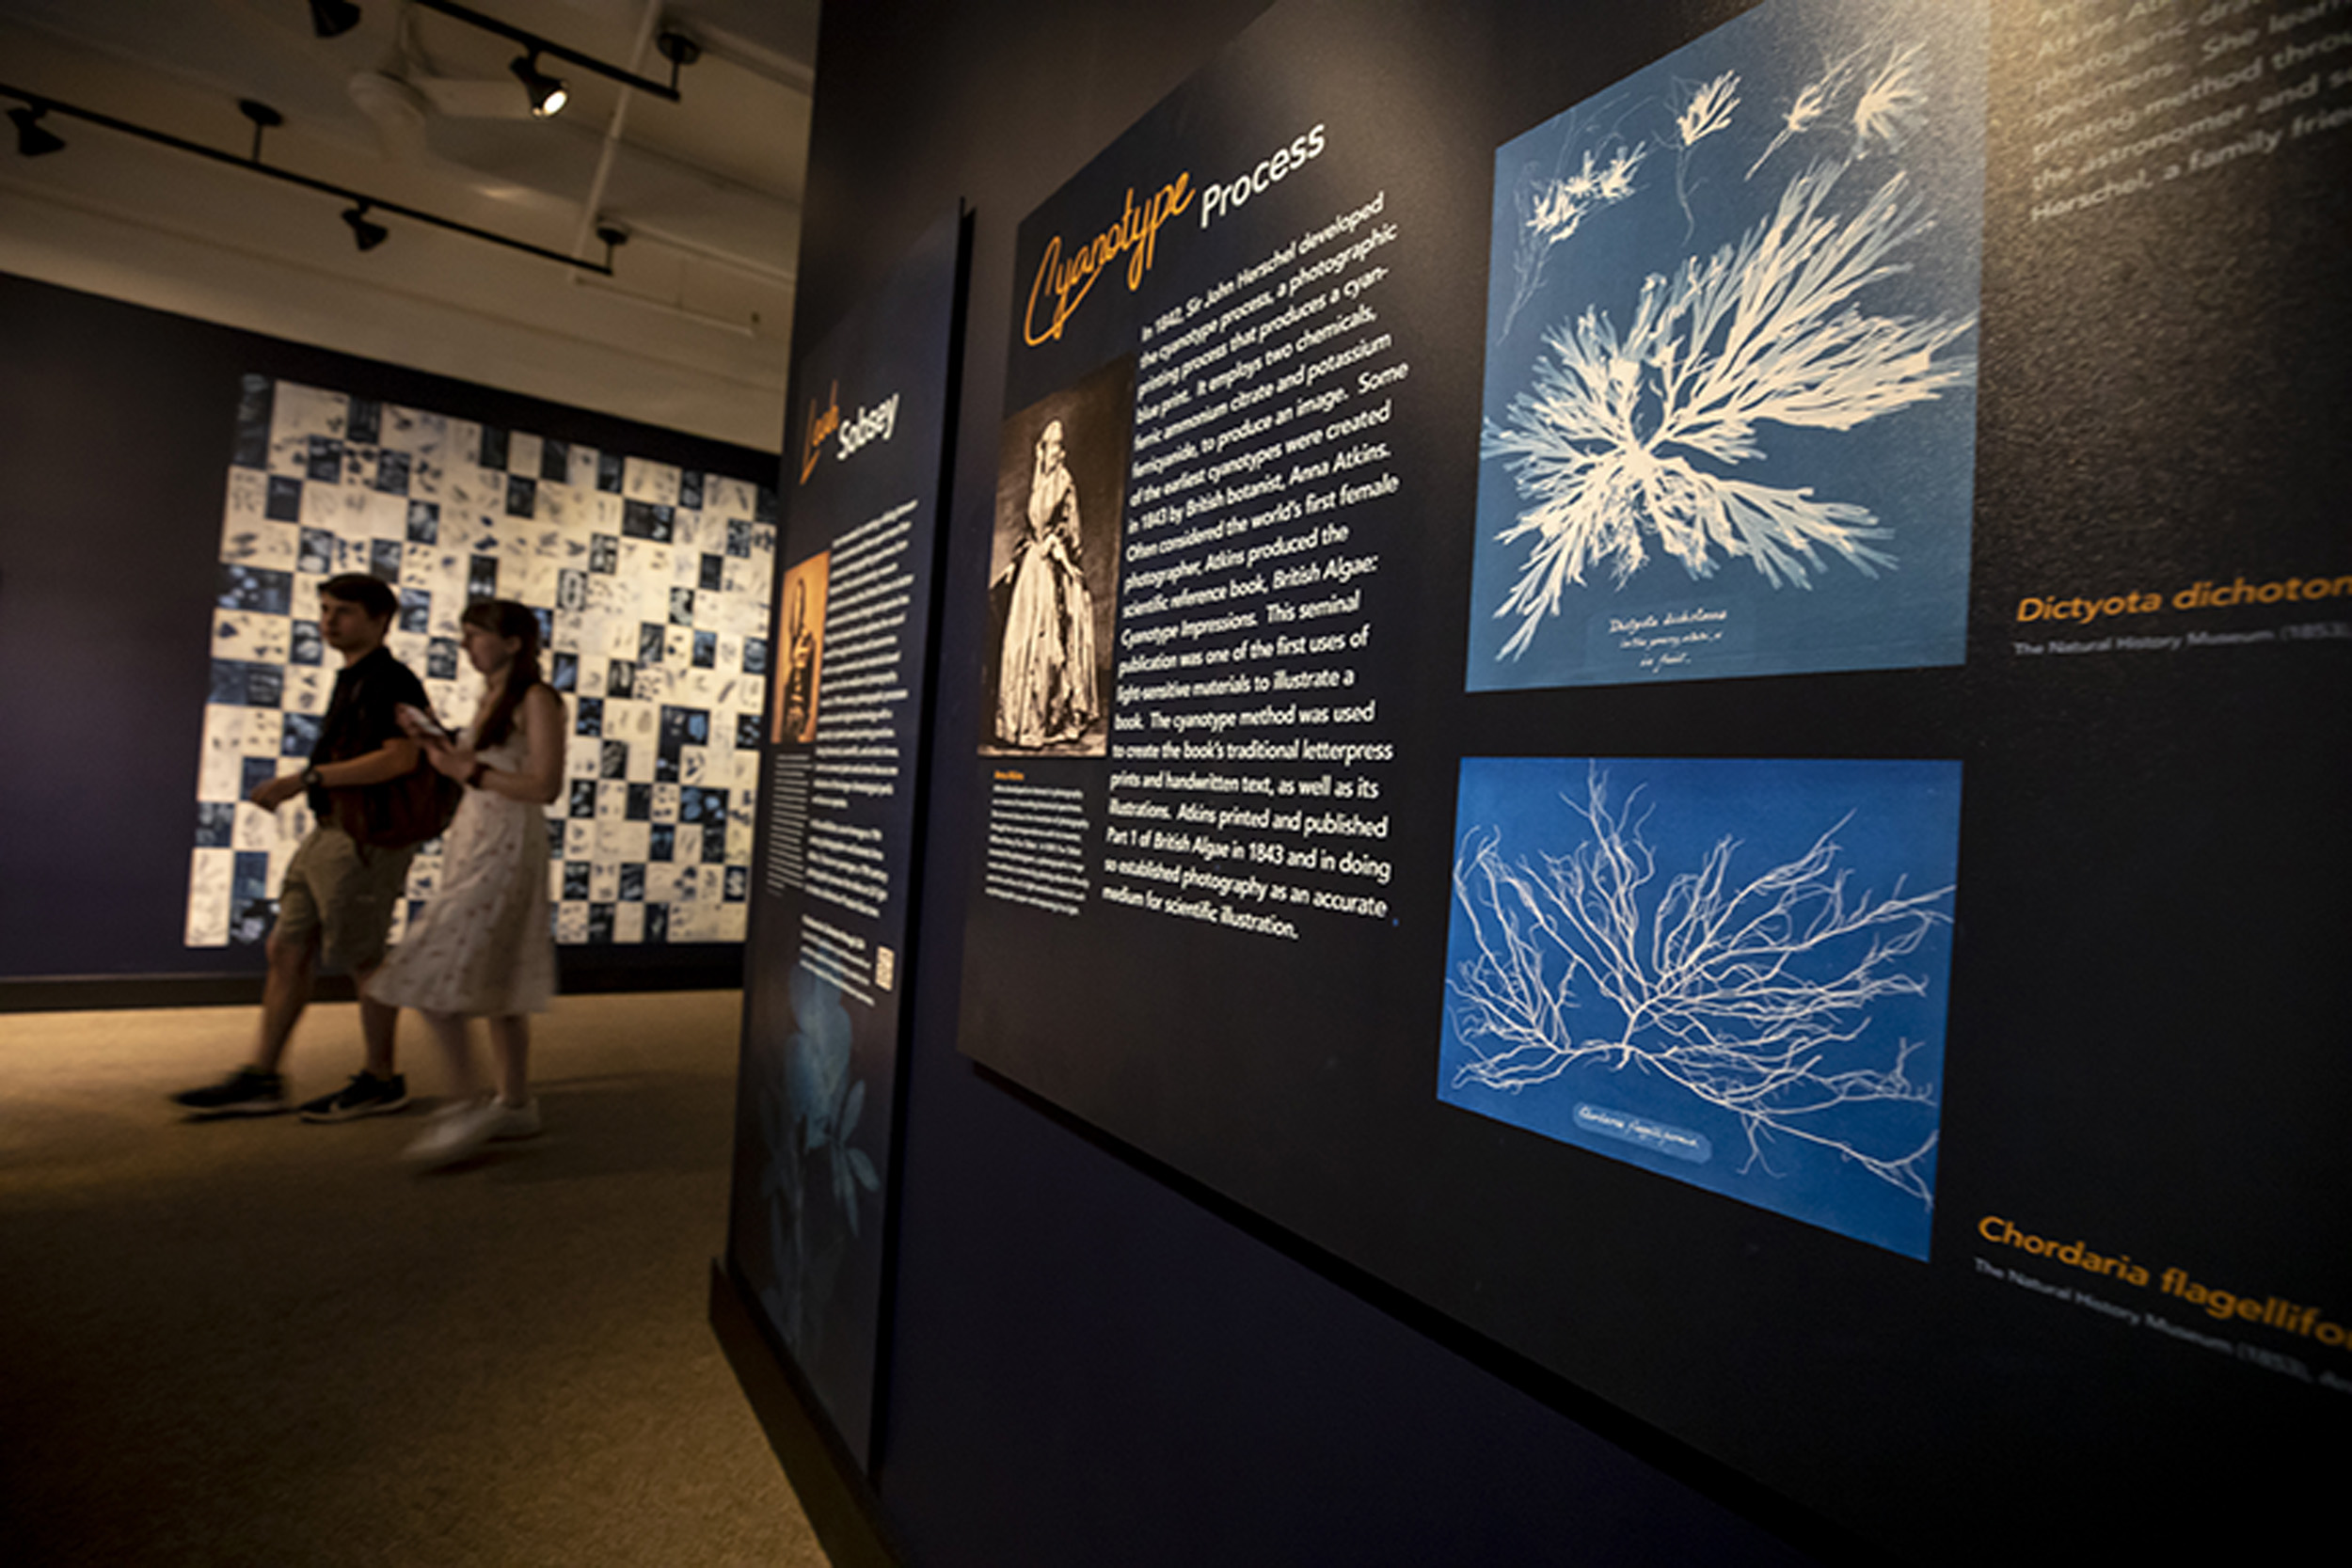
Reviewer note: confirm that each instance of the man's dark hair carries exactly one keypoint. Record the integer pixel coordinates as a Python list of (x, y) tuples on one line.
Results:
[(369, 593)]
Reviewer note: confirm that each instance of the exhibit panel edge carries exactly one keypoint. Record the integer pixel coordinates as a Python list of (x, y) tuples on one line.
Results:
[(828, 995)]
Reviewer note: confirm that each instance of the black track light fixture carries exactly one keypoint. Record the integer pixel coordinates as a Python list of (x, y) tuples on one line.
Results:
[(680, 51), (547, 93), (33, 138), (615, 235), (365, 233), (263, 118), (333, 18)]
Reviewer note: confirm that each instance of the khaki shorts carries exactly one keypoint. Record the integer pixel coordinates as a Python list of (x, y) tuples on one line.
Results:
[(347, 888)]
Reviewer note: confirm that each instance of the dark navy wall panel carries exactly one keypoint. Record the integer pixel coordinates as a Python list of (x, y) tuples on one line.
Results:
[(1091, 1362)]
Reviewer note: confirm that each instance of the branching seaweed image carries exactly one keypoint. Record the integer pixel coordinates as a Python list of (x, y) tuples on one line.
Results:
[(1762, 360), (1615, 440), (1552, 206), (1764, 1018), (1706, 111), (1892, 106)]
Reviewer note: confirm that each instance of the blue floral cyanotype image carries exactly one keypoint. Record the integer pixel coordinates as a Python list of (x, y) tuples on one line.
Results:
[(1729, 401), (816, 1181), (1730, 972)]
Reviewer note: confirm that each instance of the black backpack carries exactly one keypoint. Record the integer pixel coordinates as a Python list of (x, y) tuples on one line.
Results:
[(400, 812)]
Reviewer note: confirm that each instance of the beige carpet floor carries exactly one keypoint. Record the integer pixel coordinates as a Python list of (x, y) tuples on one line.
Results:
[(261, 1342)]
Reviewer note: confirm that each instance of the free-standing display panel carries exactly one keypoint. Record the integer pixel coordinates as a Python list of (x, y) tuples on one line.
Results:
[(827, 961), (1743, 558)]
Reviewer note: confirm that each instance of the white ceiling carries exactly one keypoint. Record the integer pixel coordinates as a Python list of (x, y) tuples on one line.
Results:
[(417, 107)]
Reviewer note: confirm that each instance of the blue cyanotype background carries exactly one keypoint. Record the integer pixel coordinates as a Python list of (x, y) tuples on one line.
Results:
[(1913, 468), (1894, 821)]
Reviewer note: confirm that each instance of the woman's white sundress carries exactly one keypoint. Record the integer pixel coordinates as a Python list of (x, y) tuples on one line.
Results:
[(482, 946)]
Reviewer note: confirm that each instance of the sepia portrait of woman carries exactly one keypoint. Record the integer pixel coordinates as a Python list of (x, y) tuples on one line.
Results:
[(1046, 692)]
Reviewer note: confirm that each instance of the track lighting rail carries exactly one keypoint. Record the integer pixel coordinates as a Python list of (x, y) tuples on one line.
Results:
[(676, 48), (41, 103)]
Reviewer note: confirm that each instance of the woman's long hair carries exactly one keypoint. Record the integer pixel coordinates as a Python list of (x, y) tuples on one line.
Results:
[(505, 618)]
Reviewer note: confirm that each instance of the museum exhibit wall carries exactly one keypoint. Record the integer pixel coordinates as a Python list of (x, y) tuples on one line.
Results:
[(1811, 937), (117, 428), (1089, 1359)]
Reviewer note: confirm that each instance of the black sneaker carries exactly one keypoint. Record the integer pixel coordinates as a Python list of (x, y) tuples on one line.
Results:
[(366, 1095), (246, 1092)]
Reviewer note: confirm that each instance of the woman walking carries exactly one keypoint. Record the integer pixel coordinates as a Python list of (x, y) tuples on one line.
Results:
[(481, 947)]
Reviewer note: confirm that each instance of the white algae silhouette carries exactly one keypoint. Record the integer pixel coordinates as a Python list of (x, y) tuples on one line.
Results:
[(1552, 208), (1892, 106), (1705, 111)]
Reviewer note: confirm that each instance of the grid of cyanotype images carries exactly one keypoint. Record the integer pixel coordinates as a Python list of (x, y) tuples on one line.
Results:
[(652, 587)]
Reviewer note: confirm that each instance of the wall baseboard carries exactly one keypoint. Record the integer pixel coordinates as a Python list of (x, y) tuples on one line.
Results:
[(98, 994)]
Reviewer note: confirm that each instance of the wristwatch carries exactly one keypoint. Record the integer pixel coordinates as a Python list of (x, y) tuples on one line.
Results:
[(473, 780), (311, 779)]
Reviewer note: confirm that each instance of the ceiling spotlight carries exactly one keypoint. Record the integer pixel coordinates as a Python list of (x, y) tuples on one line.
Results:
[(333, 18), (547, 93), (366, 233), (33, 138)]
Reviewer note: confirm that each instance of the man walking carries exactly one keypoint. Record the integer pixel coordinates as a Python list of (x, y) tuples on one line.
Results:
[(348, 875)]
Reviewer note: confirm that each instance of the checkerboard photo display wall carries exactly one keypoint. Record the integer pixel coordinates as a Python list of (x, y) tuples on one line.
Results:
[(652, 587)]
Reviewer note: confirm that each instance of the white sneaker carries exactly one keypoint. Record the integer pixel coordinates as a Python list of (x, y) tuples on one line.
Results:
[(514, 1122), (452, 1133)]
